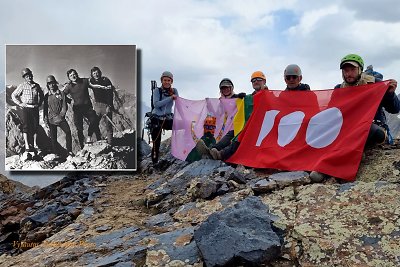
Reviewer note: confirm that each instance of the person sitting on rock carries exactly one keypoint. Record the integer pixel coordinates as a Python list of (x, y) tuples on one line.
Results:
[(352, 72), (163, 101), (208, 138), (54, 111), (29, 96), (103, 91), (78, 88)]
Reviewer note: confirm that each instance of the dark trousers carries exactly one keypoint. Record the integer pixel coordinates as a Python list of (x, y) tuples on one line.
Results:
[(158, 126), (101, 110), (30, 123), (376, 135), (30, 120), (86, 111), (228, 151), (53, 135), (225, 141)]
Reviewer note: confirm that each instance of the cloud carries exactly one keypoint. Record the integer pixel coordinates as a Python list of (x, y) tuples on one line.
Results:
[(372, 10), (310, 19)]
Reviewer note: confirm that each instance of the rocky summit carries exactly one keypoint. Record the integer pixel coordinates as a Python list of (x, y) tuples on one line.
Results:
[(98, 155), (206, 213)]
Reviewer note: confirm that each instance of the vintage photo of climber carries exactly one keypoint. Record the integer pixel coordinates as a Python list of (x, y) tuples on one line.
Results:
[(70, 107)]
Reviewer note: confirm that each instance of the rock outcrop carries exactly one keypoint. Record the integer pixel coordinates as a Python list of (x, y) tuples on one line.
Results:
[(180, 214), (96, 156)]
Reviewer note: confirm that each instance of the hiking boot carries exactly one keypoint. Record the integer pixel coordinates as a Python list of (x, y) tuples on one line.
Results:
[(215, 154), (202, 148), (317, 177)]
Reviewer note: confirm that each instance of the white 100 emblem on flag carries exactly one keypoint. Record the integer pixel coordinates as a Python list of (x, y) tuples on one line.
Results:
[(323, 128)]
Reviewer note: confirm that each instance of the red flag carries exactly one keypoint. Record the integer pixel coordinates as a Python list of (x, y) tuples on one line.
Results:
[(321, 131)]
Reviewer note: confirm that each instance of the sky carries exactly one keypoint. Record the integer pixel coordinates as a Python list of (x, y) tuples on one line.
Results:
[(203, 41), (117, 62)]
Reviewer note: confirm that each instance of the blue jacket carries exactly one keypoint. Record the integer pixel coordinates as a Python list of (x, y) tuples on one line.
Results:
[(163, 105), (390, 102), (374, 73)]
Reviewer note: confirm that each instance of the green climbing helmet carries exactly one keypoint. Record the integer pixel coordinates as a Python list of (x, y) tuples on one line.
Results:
[(352, 58)]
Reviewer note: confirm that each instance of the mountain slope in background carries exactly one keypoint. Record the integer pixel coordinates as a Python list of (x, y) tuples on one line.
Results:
[(394, 123)]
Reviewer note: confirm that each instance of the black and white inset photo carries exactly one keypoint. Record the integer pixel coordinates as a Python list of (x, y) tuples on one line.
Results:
[(70, 107)]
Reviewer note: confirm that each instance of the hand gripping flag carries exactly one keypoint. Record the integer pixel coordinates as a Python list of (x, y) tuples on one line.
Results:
[(322, 131), (191, 123)]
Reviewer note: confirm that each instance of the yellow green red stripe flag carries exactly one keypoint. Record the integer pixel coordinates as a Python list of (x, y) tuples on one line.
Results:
[(244, 109)]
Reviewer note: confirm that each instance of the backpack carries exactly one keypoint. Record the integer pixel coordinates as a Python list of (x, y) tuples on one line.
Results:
[(149, 124)]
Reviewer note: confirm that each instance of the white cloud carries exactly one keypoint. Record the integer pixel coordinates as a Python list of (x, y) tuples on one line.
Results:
[(310, 19), (372, 10)]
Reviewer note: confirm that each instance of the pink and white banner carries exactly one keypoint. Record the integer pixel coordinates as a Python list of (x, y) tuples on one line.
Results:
[(189, 117)]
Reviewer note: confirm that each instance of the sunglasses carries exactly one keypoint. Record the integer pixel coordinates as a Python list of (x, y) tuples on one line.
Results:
[(289, 77), (209, 127), (257, 79)]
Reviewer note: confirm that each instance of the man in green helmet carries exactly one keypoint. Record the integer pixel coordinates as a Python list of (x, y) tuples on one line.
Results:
[(352, 67)]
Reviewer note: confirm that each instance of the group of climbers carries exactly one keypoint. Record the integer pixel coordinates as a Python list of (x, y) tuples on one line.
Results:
[(351, 66), (29, 96)]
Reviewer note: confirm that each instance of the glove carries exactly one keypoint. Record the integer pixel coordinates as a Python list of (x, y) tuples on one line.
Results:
[(241, 95)]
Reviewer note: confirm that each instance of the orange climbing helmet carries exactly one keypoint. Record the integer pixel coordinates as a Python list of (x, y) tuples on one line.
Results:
[(210, 124), (257, 74)]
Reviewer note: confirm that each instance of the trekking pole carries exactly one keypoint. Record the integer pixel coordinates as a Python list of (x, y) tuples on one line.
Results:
[(148, 114), (153, 86)]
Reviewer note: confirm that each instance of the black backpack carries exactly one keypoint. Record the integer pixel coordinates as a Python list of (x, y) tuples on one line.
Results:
[(149, 121)]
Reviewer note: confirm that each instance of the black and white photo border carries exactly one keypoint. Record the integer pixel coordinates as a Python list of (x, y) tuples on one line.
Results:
[(116, 62)]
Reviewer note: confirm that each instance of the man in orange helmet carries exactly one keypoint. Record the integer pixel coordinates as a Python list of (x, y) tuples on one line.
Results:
[(258, 81)]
